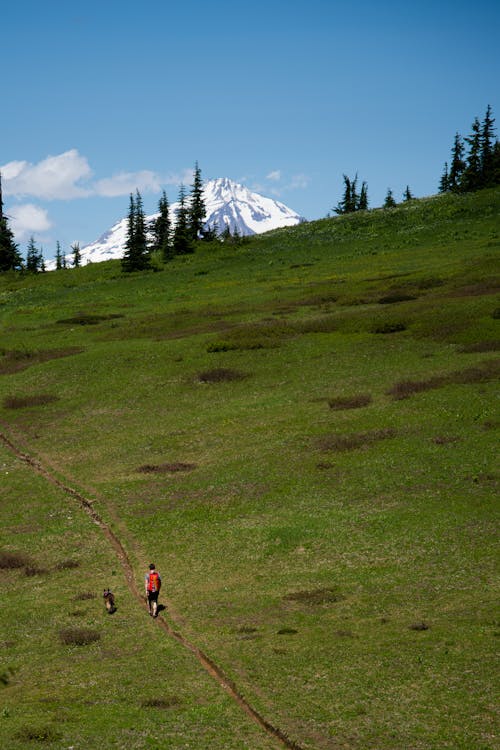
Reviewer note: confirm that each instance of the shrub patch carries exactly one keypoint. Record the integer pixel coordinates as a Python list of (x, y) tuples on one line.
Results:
[(350, 402), (22, 402), (78, 636), (171, 468), (220, 375), (352, 442)]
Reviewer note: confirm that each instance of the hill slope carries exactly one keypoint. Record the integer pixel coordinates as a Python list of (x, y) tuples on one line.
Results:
[(301, 433)]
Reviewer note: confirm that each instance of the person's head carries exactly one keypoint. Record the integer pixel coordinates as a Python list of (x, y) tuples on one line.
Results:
[(152, 566)]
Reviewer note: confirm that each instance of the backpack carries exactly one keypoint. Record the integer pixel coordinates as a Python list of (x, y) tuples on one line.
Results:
[(154, 580)]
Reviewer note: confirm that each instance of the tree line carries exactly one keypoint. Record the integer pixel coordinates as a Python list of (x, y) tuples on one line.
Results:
[(474, 164), (478, 165)]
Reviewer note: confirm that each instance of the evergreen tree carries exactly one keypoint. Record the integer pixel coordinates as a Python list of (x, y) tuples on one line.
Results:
[(495, 164), (444, 182), (10, 259), (141, 242), (457, 164), (136, 256), (487, 146), (471, 177), (162, 229), (363, 197), (34, 258), (407, 195), (59, 258), (197, 210), (225, 235), (77, 256), (389, 199), (182, 236), (211, 233)]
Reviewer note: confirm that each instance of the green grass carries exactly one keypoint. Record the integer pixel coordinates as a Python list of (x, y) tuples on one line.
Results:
[(301, 433)]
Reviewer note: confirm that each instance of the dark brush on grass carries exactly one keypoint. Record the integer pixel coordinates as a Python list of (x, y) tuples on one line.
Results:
[(354, 441), (23, 402), (167, 468), (482, 373), (221, 375)]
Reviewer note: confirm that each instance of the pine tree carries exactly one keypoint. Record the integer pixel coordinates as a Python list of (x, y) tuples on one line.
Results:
[(10, 259), (487, 146), (77, 256), (407, 195), (457, 165), (471, 176), (34, 258), (182, 237), (140, 241), (197, 210), (363, 197), (162, 229), (444, 182), (59, 261), (136, 255), (389, 199)]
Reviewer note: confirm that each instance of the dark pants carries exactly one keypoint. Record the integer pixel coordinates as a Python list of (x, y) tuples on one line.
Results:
[(153, 601)]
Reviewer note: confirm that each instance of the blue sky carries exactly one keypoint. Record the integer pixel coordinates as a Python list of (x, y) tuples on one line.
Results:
[(102, 97)]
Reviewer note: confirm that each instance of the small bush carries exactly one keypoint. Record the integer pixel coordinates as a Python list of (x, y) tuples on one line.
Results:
[(172, 468), (445, 440), (33, 570), (170, 702), (78, 636), (496, 314), (488, 370), (323, 324), (350, 402), (13, 560), (67, 565), (38, 734), (88, 319), (220, 375), (480, 346), (21, 402), (391, 299), (287, 631), (316, 596), (342, 443), (389, 328)]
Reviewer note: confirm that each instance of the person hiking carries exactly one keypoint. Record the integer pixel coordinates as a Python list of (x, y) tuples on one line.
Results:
[(152, 584)]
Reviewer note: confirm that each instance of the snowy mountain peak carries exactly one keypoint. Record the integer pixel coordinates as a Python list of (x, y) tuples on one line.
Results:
[(228, 204)]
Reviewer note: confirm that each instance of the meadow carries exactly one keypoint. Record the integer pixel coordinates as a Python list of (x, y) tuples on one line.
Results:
[(301, 433)]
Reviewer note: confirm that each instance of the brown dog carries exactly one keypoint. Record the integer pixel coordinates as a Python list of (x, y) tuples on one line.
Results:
[(109, 601)]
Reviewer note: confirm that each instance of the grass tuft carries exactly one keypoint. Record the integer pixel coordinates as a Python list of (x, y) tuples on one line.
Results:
[(340, 443), (221, 375), (315, 597), (171, 702), (38, 734), (21, 402), (171, 468), (13, 560), (78, 636), (350, 402), (482, 373), (67, 565)]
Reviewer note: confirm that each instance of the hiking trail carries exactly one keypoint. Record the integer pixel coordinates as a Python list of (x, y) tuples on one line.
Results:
[(216, 672)]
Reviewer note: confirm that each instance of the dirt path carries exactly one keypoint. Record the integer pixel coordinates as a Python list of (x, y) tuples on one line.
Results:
[(210, 666)]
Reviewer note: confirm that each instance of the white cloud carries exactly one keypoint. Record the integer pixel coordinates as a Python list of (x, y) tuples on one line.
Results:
[(299, 181), (128, 182), (55, 177), (176, 178), (274, 176), (26, 219)]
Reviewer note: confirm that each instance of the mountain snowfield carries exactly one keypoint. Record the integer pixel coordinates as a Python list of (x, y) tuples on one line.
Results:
[(227, 203)]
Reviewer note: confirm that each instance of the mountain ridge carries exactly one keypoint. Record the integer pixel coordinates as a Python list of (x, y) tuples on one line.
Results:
[(228, 203)]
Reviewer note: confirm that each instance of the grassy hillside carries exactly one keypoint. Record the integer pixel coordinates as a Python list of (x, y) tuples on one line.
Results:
[(301, 433)]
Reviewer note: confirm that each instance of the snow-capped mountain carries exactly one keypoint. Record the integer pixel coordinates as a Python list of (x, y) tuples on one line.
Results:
[(227, 204)]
